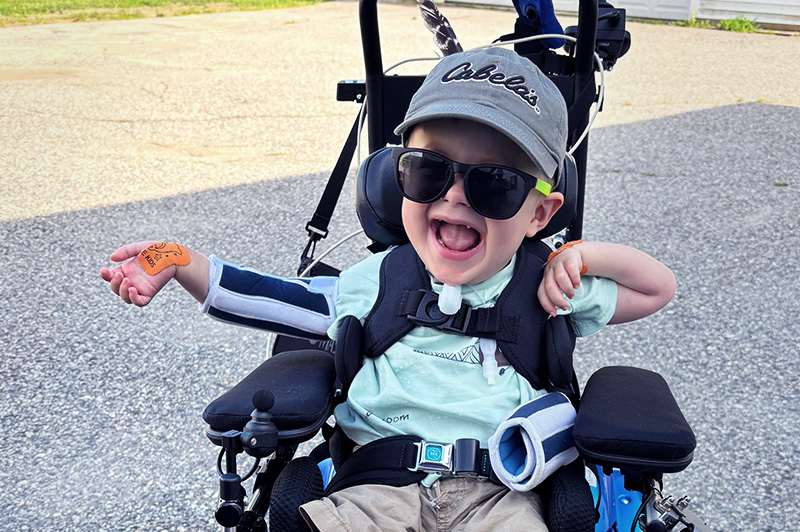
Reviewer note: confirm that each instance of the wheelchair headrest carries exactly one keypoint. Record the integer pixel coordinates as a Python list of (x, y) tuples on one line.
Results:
[(379, 200)]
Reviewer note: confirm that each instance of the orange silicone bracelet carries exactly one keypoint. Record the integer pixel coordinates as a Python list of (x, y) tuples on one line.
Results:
[(550, 257), (161, 255)]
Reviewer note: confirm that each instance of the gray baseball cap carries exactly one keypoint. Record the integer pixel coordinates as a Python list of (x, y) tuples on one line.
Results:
[(503, 90)]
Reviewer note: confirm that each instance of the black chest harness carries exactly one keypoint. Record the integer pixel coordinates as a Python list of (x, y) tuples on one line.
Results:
[(537, 346)]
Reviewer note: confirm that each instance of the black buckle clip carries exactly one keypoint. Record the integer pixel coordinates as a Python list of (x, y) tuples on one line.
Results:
[(314, 232), (429, 315)]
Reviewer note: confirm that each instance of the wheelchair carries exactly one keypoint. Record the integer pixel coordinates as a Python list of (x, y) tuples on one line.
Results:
[(629, 430)]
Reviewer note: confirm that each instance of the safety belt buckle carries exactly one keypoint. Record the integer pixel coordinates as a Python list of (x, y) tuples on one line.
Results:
[(428, 314), (434, 457)]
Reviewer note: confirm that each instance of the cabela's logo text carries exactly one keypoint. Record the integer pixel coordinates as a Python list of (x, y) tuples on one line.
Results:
[(488, 73)]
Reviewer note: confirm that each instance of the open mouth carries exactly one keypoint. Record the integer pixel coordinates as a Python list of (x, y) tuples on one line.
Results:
[(456, 237)]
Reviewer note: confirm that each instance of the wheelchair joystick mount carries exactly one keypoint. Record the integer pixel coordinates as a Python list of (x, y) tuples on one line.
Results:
[(259, 439), (260, 435)]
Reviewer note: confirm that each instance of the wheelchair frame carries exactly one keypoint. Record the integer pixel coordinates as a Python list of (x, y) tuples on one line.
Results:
[(600, 30)]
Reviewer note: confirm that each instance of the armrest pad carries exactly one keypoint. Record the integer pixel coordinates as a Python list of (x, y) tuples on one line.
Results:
[(302, 383), (629, 418)]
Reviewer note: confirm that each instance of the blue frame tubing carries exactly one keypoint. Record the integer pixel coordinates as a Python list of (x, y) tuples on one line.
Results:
[(617, 507)]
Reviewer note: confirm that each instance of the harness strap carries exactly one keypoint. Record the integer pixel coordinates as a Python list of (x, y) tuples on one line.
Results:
[(421, 308), (386, 461), (404, 460), (317, 227), (517, 321)]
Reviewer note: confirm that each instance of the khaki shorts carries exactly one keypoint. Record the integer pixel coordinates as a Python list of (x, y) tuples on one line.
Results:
[(450, 504)]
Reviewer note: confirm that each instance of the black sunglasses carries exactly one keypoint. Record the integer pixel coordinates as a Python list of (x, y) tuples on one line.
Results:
[(493, 191)]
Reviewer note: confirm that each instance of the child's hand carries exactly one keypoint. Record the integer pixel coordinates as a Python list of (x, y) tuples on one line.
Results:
[(129, 281), (562, 276)]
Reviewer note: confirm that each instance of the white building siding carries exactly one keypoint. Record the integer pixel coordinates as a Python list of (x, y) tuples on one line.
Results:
[(657, 9), (783, 12), (763, 11)]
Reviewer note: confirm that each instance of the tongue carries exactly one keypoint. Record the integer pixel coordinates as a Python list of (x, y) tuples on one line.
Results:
[(458, 237)]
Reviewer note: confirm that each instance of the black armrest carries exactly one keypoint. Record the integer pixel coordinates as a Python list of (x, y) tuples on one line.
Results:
[(629, 419), (302, 383)]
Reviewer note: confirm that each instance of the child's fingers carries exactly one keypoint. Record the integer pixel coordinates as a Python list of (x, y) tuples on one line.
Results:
[(115, 281), (122, 254), (106, 274), (136, 298), (561, 279), (547, 305), (129, 251), (554, 292), (565, 281), (124, 290), (572, 264), (574, 271)]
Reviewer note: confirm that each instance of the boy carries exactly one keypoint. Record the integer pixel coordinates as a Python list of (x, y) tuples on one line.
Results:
[(484, 140)]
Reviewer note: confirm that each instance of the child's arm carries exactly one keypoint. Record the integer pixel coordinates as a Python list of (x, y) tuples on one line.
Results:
[(644, 285), (134, 285), (304, 308)]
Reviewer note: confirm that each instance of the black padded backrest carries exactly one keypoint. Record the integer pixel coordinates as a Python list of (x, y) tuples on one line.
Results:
[(379, 200)]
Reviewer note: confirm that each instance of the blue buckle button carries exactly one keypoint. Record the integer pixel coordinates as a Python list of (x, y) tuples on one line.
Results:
[(433, 453)]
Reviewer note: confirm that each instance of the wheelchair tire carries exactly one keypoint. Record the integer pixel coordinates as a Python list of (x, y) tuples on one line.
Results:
[(300, 482), (569, 506)]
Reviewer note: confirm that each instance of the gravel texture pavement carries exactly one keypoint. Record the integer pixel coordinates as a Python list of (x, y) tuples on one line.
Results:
[(216, 131)]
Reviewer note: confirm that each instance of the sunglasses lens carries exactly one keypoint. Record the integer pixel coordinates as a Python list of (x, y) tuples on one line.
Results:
[(422, 176), (496, 192)]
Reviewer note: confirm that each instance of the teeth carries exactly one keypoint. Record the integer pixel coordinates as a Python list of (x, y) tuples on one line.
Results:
[(467, 226)]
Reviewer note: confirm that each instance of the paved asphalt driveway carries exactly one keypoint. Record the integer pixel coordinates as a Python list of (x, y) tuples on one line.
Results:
[(101, 402)]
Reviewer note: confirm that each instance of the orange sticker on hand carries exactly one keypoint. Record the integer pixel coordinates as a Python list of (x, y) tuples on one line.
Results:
[(162, 255)]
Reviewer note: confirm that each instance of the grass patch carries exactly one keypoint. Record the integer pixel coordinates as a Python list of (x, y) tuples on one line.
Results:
[(739, 24), (27, 12), (693, 22)]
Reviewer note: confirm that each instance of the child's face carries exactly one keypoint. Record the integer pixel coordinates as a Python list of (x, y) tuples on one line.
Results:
[(456, 244)]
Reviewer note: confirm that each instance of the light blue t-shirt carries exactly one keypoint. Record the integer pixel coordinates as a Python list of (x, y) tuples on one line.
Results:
[(431, 384)]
